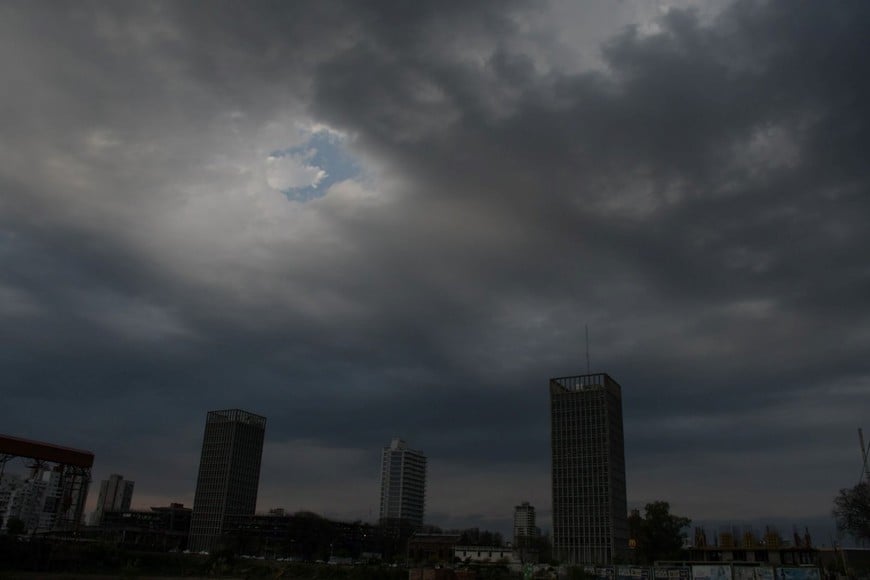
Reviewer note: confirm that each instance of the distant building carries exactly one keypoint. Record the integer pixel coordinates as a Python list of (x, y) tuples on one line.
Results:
[(303, 536), (525, 531), (403, 484), (488, 555), (37, 498), (229, 474), (116, 494), (53, 496), (23, 498), (432, 548), (590, 524), (160, 528), (748, 547)]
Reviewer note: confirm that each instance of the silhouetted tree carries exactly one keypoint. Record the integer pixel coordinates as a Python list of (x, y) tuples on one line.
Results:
[(852, 511), (659, 534)]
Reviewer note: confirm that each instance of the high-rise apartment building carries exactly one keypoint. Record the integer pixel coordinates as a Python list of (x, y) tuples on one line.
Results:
[(590, 524), (525, 531), (403, 484), (25, 499), (35, 498), (116, 494), (229, 474)]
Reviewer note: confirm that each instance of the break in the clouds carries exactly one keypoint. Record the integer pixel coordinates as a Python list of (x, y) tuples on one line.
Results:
[(366, 220), (292, 172), (306, 171)]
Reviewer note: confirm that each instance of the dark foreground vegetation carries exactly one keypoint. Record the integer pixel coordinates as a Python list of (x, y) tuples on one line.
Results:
[(39, 558)]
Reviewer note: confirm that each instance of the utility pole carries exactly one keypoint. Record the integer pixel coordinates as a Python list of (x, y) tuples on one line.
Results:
[(865, 470), (588, 366)]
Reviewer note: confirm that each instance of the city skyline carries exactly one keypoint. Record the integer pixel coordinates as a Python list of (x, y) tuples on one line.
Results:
[(523, 521), (363, 220)]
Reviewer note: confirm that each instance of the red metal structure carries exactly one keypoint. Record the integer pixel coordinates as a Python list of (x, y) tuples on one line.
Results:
[(73, 467)]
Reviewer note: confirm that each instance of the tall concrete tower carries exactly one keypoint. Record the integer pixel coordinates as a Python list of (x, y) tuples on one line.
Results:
[(590, 523), (229, 474), (403, 484)]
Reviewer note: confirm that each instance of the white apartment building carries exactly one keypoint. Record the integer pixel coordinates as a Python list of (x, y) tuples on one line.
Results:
[(32, 499)]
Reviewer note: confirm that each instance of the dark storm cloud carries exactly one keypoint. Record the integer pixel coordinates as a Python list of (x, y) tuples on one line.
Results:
[(699, 200), (689, 164)]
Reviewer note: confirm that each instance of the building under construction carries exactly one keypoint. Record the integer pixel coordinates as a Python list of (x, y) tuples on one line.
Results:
[(53, 496), (732, 544), (590, 524)]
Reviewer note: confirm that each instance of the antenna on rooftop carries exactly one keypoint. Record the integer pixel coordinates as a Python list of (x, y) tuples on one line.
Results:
[(588, 367)]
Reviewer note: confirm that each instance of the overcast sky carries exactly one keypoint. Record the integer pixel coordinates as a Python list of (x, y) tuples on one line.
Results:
[(376, 219)]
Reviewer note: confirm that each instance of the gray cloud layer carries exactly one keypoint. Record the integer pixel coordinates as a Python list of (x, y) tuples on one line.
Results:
[(696, 192)]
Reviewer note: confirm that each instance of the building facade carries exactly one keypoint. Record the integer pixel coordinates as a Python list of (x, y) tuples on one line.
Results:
[(432, 548), (162, 528), (52, 497), (24, 498), (488, 555), (38, 498), (590, 524), (304, 536), (403, 484), (229, 474), (116, 494), (525, 530)]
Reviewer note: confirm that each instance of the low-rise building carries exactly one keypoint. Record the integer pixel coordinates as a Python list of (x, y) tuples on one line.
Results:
[(485, 554), (733, 545), (432, 548), (159, 529)]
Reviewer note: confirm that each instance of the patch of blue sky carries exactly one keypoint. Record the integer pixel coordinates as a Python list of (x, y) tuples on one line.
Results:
[(325, 151)]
